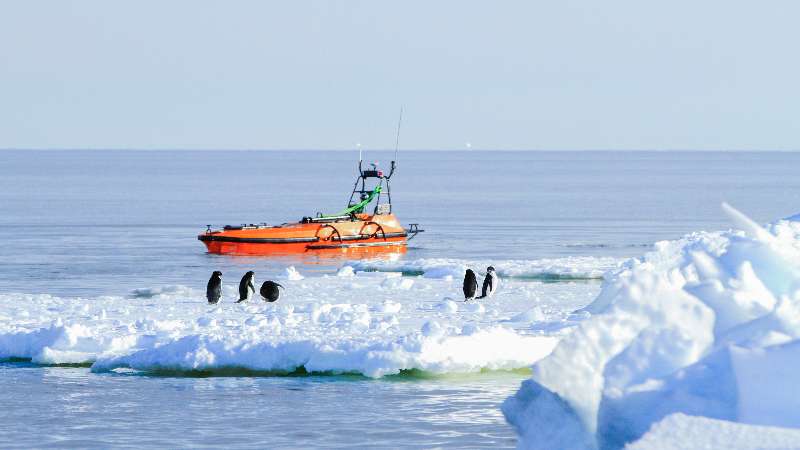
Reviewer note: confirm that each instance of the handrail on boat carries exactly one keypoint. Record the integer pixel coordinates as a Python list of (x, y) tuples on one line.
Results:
[(330, 236), (375, 234)]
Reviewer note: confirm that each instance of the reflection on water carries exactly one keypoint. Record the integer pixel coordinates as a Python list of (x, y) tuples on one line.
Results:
[(313, 262), (72, 407)]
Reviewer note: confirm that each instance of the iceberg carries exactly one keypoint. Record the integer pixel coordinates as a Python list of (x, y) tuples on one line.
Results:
[(707, 325)]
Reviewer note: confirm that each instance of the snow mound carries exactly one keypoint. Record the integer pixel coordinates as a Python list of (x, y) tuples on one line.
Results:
[(397, 283), (494, 348), (160, 292), (707, 325), (531, 315), (292, 274), (346, 271), (569, 268), (366, 323), (447, 306), (676, 431)]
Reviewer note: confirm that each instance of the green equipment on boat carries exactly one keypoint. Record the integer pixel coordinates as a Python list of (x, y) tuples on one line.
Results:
[(358, 207)]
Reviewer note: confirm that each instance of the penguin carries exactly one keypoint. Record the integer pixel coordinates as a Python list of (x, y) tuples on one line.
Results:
[(490, 283), (269, 291), (470, 285), (246, 286), (214, 288)]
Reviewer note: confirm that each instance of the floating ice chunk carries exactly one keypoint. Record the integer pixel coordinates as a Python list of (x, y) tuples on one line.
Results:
[(325, 326), (59, 344), (435, 350)]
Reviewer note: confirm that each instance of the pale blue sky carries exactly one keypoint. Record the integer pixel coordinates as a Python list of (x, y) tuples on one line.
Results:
[(329, 74)]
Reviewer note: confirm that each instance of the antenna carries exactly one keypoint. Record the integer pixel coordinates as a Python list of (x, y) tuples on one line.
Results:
[(397, 140)]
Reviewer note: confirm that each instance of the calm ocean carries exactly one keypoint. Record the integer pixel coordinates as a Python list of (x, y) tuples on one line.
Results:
[(87, 224)]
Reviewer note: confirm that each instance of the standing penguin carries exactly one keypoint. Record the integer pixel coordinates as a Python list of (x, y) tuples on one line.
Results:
[(214, 288), (246, 286), (269, 291), (490, 283), (470, 285)]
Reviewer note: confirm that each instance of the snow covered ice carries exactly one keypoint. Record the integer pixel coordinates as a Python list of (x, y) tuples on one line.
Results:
[(567, 268), (369, 323), (679, 431), (707, 325)]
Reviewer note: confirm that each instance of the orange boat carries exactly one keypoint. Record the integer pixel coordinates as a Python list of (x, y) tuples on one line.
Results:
[(350, 231)]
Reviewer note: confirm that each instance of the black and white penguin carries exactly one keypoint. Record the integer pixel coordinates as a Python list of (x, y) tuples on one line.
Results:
[(470, 285), (269, 291), (214, 288), (246, 286), (490, 283)]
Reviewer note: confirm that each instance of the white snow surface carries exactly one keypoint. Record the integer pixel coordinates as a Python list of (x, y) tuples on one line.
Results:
[(679, 431), (292, 274), (374, 324), (707, 325), (567, 268)]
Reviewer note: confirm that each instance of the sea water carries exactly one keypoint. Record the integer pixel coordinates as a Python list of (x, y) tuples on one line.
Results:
[(103, 245)]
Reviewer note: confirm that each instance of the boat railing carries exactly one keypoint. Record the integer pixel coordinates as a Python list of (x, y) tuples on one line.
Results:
[(326, 219), (330, 236), (413, 230), (377, 230)]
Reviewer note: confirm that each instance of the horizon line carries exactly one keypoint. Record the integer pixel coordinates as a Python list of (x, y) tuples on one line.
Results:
[(179, 149)]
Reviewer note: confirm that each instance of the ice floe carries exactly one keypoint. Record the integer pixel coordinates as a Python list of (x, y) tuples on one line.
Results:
[(370, 323), (679, 431), (707, 325), (567, 268)]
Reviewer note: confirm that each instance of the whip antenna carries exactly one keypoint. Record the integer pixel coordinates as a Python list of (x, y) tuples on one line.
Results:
[(397, 140)]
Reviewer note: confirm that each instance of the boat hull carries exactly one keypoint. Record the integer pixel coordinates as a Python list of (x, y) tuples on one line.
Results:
[(363, 235)]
